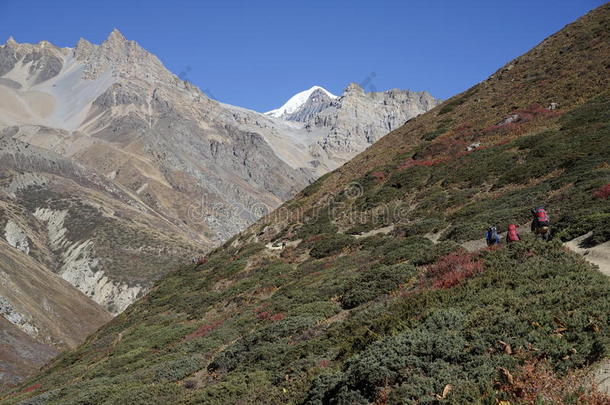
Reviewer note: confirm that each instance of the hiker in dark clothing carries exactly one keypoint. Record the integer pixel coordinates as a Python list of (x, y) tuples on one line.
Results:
[(492, 237), (513, 233), (541, 223)]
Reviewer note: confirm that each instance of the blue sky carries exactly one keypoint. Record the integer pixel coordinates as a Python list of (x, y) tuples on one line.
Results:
[(257, 54)]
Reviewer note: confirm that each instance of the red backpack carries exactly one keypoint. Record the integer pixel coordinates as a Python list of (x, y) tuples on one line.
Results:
[(541, 217), (513, 234)]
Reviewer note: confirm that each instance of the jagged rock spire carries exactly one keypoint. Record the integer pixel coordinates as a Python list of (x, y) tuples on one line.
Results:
[(83, 49), (82, 42), (11, 41), (116, 36)]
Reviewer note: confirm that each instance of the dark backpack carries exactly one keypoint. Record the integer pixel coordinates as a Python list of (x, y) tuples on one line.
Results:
[(541, 216), (492, 236)]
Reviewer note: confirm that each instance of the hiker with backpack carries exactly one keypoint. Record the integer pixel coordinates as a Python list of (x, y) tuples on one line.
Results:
[(492, 237), (513, 234), (541, 223)]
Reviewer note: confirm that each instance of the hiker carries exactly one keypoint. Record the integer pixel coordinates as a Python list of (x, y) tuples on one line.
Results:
[(541, 223), (492, 237), (513, 234)]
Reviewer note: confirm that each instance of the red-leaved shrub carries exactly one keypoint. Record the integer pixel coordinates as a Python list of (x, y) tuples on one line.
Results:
[(449, 146), (414, 163), (603, 192), (451, 269), (270, 316), (324, 363), (31, 388), (277, 317), (202, 331), (378, 176), (522, 116)]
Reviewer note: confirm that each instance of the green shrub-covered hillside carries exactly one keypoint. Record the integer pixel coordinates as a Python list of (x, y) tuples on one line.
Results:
[(369, 287)]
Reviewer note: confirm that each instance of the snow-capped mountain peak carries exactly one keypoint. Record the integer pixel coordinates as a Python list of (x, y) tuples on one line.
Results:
[(295, 102)]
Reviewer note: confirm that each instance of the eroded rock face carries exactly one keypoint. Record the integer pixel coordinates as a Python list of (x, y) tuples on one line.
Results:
[(80, 268), (13, 316), (16, 237), (74, 225)]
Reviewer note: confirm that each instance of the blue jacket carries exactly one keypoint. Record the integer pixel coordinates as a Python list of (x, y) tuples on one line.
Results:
[(492, 236)]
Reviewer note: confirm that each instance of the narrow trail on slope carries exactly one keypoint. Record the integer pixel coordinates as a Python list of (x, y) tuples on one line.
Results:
[(385, 230), (598, 255)]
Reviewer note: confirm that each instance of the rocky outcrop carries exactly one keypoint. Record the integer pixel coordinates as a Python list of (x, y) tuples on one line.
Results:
[(16, 237), (81, 269), (22, 181), (19, 320), (8, 57)]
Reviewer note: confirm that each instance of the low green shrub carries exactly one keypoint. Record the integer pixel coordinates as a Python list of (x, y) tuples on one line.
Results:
[(178, 369), (571, 227), (374, 282), (531, 295), (416, 249), (432, 135), (330, 244), (320, 222)]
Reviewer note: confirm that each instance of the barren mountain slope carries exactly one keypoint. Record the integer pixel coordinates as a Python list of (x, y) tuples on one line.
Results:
[(65, 228), (21, 355), (93, 233), (40, 315), (116, 109)]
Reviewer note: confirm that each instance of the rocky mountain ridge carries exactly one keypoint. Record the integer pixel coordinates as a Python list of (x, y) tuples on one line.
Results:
[(74, 101), (350, 123)]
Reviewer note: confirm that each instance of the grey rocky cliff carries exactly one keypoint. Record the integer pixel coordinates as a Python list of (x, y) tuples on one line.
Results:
[(357, 119), (341, 127)]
